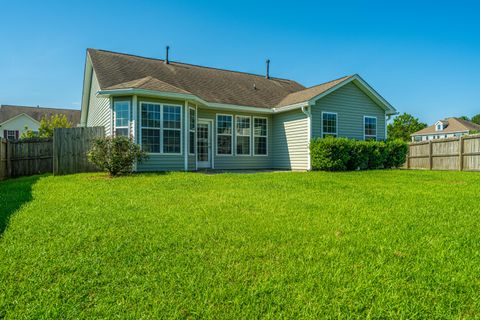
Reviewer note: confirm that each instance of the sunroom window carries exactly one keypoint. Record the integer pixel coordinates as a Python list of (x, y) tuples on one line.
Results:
[(224, 134), (260, 129), (243, 134), (121, 118), (151, 126), (192, 126), (172, 129)]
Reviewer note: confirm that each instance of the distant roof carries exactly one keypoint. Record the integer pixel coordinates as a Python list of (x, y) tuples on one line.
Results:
[(9, 111), (451, 125)]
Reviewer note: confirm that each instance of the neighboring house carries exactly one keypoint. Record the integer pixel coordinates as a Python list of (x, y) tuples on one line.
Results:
[(188, 117), (14, 119), (450, 127)]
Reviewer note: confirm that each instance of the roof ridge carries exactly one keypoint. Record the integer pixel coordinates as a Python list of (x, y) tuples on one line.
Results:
[(194, 65), (324, 83)]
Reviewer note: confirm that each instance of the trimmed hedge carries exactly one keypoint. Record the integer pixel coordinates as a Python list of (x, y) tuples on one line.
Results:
[(342, 154)]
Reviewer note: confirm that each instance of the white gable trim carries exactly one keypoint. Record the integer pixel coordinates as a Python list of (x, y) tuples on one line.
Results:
[(18, 116), (87, 86)]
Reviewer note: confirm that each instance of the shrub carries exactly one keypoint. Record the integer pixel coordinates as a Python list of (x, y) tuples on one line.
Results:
[(396, 154), (339, 154), (115, 154), (330, 154)]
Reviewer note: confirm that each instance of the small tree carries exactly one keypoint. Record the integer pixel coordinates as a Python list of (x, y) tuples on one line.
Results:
[(403, 126), (28, 134), (476, 119), (55, 121), (115, 154)]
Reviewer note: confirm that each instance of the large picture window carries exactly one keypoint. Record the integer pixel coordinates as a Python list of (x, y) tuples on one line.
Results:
[(243, 134), (192, 127), (329, 124), (260, 131), (121, 118), (161, 128), (370, 127), (224, 134)]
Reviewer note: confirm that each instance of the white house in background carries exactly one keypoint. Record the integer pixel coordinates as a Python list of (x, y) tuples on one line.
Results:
[(447, 128), (14, 119)]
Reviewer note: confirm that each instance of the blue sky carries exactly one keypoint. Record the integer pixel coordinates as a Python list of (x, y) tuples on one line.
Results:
[(422, 56)]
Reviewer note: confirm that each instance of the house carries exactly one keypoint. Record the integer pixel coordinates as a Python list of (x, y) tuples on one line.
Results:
[(188, 117), (14, 119), (447, 128)]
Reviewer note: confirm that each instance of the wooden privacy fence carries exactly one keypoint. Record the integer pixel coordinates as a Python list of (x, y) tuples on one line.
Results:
[(70, 149), (459, 153), (25, 157), (64, 154)]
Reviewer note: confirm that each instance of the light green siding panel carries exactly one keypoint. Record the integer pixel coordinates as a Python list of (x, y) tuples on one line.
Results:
[(99, 111), (290, 140), (158, 162), (191, 163), (235, 162), (351, 104)]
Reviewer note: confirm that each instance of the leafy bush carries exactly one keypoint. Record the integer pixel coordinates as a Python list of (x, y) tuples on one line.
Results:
[(340, 154), (115, 154), (396, 154)]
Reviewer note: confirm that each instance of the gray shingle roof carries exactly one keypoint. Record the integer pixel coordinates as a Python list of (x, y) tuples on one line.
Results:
[(116, 70), (9, 111)]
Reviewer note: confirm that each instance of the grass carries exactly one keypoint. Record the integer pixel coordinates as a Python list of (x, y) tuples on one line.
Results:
[(380, 244)]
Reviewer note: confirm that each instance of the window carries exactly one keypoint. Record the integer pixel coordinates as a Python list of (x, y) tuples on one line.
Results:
[(150, 116), (192, 126), (121, 118), (370, 126), (243, 133), (172, 129), (260, 131), (224, 134), (10, 134), (329, 124)]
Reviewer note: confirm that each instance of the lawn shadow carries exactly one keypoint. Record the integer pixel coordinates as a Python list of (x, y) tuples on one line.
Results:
[(13, 194)]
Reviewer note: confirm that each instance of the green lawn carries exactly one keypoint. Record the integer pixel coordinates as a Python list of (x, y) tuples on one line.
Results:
[(380, 244)]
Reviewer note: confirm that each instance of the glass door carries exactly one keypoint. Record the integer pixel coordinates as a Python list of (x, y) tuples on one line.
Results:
[(204, 147)]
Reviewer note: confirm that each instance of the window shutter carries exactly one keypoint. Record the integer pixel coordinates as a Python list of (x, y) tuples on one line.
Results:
[(5, 134), (16, 134)]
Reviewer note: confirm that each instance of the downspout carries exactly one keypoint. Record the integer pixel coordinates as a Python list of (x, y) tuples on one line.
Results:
[(185, 137), (134, 126), (307, 111)]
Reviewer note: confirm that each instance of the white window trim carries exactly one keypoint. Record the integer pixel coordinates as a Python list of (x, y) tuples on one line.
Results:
[(242, 135), (336, 124), (194, 130), (115, 117), (376, 128), (9, 133), (231, 135), (254, 136), (161, 127)]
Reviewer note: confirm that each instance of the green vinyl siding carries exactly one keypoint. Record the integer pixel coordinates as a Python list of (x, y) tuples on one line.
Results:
[(351, 105), (99, 110), (290, 140), (237, 162)]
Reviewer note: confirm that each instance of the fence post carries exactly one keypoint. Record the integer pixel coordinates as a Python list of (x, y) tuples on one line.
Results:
[(408, 155), (8, 153), (430, 154), (461, 148)]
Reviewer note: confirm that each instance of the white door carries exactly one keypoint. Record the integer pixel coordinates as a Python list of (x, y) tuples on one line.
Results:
[(204, 144)]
